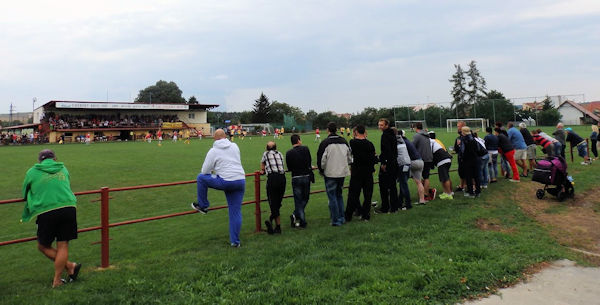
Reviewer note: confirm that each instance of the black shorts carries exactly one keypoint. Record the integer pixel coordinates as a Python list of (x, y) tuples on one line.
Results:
[(426, 169), (444, 172), (59, 224)]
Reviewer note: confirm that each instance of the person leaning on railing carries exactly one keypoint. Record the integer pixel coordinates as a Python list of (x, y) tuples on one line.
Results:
[(48, 195)]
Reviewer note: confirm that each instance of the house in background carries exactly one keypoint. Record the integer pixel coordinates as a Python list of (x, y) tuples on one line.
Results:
[(577, 114), (594, 107)]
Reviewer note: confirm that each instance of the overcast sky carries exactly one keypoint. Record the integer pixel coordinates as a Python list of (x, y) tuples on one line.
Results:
[(322, 55)]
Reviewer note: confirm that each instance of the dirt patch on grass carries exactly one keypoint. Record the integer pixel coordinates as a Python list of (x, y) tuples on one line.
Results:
[(574, 222), (492, 224)]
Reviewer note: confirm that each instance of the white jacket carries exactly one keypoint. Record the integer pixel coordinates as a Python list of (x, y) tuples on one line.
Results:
[(224, 160)]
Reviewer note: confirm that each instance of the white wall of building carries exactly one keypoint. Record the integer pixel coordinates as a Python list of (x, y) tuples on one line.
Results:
[(570, 115)]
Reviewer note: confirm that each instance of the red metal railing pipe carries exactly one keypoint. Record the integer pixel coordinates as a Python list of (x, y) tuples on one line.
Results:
[(104, 223)]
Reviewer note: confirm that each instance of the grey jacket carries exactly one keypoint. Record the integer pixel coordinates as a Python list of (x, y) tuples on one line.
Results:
[(422, 143), (334, 156)]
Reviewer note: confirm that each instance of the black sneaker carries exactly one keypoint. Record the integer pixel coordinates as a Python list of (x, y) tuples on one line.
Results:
[(196, 207), (379, 211), (458, 189), (269, 227), (293, 220), (278, 229)]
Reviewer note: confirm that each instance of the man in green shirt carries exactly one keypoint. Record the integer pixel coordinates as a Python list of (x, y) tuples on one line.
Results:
[(47, 190)]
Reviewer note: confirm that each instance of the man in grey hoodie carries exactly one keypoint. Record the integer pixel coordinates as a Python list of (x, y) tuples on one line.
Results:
[(222, 170), (423, 145)]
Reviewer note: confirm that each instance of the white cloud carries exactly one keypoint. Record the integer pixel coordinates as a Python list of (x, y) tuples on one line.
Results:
[(220, 77), (565, 8)]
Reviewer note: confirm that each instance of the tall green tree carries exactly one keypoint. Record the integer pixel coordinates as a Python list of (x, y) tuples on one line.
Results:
[(495, 107), (161, 93), (278, 109), (262, 109), (459, 92), (476, 86), (192, 100)]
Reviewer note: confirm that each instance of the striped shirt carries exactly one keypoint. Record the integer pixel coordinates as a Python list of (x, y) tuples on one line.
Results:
[(273, 161)]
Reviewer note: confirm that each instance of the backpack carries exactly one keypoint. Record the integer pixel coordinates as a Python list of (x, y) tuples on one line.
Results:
[(481, 151)]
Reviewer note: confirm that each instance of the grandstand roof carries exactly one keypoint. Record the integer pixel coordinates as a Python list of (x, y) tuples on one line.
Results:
[(125, 106), (19, 126)]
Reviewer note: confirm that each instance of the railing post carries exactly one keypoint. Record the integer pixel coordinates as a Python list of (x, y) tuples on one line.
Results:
[(588, 148), (257, 199), (571, 145), (104, 227)]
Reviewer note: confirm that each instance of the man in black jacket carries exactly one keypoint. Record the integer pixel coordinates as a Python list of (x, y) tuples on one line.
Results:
[(298, 161), (361, 174), (388, 169)]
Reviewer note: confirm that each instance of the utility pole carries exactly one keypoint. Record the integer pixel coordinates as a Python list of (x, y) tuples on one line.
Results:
[(10, 114)]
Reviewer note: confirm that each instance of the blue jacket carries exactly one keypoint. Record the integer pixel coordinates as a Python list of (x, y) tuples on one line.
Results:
[(516, 138)]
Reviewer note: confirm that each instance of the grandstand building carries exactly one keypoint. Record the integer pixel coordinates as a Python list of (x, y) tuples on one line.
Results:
[(73, 120)]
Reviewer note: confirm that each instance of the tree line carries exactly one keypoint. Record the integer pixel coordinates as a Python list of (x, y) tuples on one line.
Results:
[(470, 99)]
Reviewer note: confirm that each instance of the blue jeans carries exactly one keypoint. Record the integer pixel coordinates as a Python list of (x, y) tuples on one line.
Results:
[(234, 192), (493, 166), (404, 193), (301, 190), (558, 148), (334, 186), (505, 166), (483, 170)]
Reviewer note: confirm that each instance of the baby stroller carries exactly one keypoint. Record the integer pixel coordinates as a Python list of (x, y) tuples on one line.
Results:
[(552, 171)]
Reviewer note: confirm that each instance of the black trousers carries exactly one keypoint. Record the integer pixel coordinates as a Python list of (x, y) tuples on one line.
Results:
[(275, 190), (471, 170), (359, 180), (388, 190), (594, 148)]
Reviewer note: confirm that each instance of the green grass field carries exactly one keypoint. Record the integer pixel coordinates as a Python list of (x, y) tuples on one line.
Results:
[(431, 254)]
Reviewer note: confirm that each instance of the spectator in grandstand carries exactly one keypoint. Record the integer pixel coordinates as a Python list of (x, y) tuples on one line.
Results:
[(299, 161), (491, 144), (470, 162), (580, 143), (423, 144), (361, 174), (560, 136), (457, 141), (388, 170), (594, 139), (547, 145), (272, 165), (508, 152), (416, 167), (484, 177), (403, 171), (442, 159), (222, 170), (47, 190), (516, 138), (333, 158), (531, 146)]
